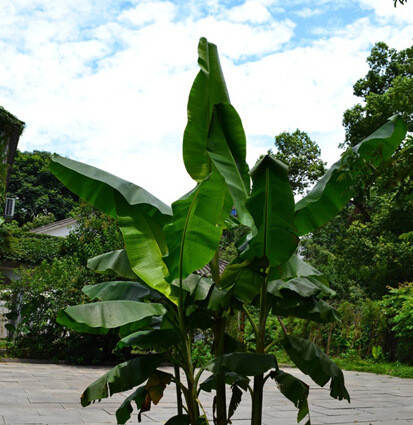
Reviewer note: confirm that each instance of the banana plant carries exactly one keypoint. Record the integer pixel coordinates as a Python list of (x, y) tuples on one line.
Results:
[(165, 246)]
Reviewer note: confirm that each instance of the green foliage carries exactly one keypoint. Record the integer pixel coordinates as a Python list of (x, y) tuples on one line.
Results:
[(39, 221), (201, 352), (35, 301), (164, 248), (54, 280), (9, 123), (386, 90), (10, 130), (36, 189), (398, 305), (365, 255), (302, 156), (95, 234)]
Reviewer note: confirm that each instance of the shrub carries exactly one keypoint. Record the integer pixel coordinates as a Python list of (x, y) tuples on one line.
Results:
[(34, 301), (398, 305)]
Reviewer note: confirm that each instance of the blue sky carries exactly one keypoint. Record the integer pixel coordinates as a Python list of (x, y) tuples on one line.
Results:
[(107, 82)]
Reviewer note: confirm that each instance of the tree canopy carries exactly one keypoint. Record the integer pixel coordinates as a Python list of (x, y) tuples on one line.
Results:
[(36, 189), (302, 155), (385, 90)]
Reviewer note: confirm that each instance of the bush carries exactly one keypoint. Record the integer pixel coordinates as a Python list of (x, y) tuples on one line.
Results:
[(363, 326), (34, 302), (43, 290), (398, 305)]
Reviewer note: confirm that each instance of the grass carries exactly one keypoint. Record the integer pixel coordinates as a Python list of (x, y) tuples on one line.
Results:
[(382, 368)]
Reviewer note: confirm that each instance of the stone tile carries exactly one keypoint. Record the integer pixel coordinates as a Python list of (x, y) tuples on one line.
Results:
[(53, 389)]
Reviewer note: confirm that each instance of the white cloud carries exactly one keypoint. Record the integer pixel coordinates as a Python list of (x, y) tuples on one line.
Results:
[(109, 87), (149, 12), (306, 12), (251, 11), (387, 13)]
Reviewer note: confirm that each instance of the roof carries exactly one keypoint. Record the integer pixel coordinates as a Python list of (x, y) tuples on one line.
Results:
[(50, 228)]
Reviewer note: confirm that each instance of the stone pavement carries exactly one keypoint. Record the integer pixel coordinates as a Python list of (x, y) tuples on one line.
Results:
[(38, 393)]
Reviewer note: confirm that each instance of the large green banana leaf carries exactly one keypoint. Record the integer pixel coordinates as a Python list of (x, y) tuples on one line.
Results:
[(110, 314), (243, 280), (119, 290), (214, 131), (198, 287), (123, 413), (208, 89), (335, 188), (296, 267), (313, 362), (67, 321), (295, 390), (150, 339), (310, 308), (244, 364), (231, 378), (122, 377), (227, 150), (195, 232), (113, 263), (301, 285), (272, 206), (141, 216), (99, 188)]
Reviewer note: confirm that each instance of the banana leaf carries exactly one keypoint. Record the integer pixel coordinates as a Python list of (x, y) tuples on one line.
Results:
[(208, 89), (243, 280), (122, 377), (114, 262), (231, 378), (119, 290), (123, 413), (301, 285), (195, 232), (313, 362), (157, 338), (141, 216), (336, 187), (272, 206), (295, 390), (244, 364), (110, 314), (227, 150), (309, 308)]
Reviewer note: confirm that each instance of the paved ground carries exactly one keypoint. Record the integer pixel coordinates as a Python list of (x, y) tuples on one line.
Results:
[(32, 393)]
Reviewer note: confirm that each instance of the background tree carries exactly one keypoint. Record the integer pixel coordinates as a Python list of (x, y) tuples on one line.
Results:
[(36, 189), (363, 250), (302, 156), (386, 89)]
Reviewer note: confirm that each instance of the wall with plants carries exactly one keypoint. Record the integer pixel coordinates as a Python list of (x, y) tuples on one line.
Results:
[(27, 248), (10, 127)]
